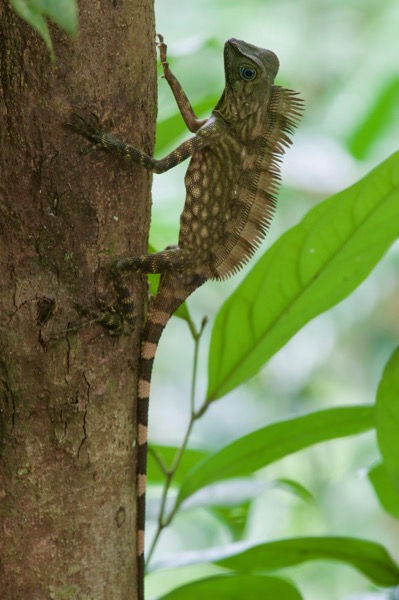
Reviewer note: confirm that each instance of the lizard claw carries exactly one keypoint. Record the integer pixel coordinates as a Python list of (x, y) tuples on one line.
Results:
[(162, 51), (107, 316), (89, 128), (84, 126)]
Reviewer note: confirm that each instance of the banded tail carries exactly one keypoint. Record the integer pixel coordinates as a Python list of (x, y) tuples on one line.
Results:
[(173, 291)]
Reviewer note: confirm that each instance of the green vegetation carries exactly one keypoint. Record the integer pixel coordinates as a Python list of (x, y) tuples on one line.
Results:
[(265, 467)]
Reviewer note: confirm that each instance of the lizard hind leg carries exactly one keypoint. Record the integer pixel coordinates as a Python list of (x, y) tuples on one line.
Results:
[(121, 318), (90, 128), (172, 259)]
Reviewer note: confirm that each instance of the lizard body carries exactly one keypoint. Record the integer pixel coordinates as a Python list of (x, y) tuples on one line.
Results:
[(231, 183)]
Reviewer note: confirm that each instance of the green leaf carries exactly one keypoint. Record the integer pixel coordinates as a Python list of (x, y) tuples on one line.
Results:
[(295, 488), (387, 493), (380, 118), (262, 447), (387, 417), (62, 12), (312, 267), (167, 454), (183, 313), (24, 9), (236, 587), (369, 558), (233, 518), (171, 129)]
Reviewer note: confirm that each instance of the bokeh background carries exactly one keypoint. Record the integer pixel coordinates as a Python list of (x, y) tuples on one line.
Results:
[(343, 57)]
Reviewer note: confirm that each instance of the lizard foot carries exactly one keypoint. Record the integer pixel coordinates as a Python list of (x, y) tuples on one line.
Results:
[(162, 52), (107, 316), (90, 128)]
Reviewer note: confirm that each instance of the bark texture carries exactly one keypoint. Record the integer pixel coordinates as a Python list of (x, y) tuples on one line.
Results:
[(67, 401)]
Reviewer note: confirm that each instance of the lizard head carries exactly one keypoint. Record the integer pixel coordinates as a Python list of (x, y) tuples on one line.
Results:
[(250, 72)]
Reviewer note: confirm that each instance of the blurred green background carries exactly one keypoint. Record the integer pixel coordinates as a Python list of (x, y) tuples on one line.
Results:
[(343, 57)]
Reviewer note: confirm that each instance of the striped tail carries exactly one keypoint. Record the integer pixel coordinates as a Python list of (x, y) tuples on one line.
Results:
[(173, 291)]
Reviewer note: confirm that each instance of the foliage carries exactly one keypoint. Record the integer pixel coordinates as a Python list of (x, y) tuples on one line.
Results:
[(311, 268), (35, 12), (273, 442), (235, 587)]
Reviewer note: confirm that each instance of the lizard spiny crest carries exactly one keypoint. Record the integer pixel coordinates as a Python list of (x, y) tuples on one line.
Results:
[(232, 181), (231, 185)]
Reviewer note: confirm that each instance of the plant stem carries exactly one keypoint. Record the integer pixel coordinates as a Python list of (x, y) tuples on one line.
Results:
[(164, 520)]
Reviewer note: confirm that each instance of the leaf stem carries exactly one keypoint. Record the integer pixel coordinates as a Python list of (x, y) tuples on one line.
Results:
[(163, 519)]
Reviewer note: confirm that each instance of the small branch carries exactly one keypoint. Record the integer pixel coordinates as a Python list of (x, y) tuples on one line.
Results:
[(164, 520), (159, 460)]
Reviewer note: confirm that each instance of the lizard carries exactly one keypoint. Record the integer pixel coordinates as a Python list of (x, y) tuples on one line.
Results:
[(231, 185)]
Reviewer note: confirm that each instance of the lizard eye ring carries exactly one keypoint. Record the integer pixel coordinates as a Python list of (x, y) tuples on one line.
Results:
[(248, 73)]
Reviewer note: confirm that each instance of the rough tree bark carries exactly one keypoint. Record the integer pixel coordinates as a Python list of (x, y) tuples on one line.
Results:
[(67, 459)]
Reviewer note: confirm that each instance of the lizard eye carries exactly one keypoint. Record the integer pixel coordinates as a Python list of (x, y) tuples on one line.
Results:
[(247, 73)]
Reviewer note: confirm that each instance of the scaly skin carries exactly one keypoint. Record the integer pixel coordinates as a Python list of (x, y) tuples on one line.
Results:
[(231, 182)]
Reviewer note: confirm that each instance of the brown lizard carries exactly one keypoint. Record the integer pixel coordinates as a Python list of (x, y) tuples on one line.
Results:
[(231, 183)]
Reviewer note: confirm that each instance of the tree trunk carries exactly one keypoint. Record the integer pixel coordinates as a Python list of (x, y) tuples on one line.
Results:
[(67, 400)]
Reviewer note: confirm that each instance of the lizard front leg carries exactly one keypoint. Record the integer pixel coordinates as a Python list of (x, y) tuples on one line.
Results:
[(186, 110), (92, 130)]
